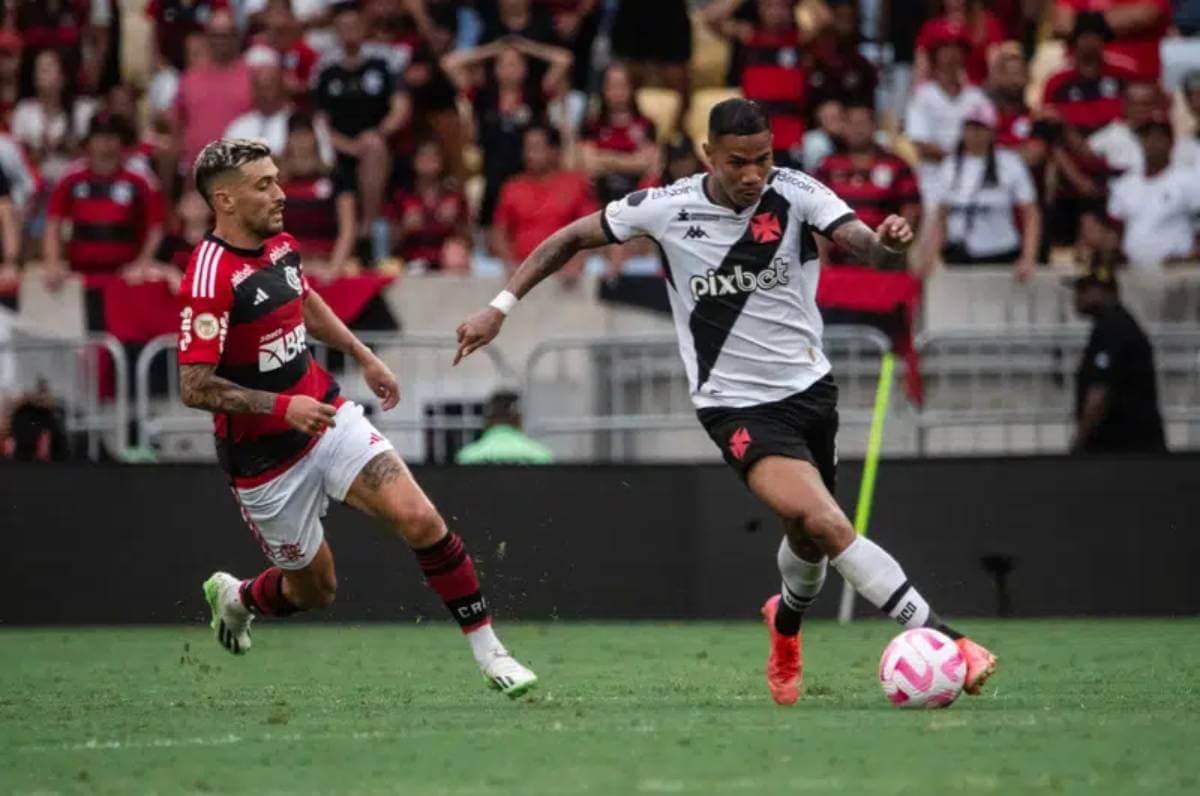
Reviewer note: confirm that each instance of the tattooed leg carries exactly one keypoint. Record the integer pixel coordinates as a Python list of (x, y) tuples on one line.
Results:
[(386, 489)]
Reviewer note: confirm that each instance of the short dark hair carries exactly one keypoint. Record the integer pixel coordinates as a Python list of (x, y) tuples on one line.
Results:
[(223, 156), (502, 405), (553, 136), (859, 105), (737, 116), (344, 7)]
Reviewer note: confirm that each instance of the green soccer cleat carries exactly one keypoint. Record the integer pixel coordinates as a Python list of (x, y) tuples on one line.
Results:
[(507, 676), (230, 619)]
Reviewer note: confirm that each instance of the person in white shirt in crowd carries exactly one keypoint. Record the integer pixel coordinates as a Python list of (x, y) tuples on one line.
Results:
[(1117, 142), (1187, 147), (268, 119), (979, 190), (935, 115), (823, 140), (51, 124), (1157, 206)]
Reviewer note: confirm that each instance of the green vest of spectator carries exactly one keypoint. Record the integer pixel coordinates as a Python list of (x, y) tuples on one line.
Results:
[(503, 444)]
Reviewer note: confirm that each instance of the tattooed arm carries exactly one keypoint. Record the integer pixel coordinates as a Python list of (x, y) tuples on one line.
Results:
[(552, 254), (885, 248), (201, 388)]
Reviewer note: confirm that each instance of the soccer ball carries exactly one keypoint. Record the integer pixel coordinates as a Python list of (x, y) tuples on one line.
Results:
[(922, 668)]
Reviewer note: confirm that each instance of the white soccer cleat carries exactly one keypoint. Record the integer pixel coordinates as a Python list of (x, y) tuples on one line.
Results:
[(508, 676), (230, 619)]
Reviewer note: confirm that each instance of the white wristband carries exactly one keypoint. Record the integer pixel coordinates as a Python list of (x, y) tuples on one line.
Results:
[(504, 301)]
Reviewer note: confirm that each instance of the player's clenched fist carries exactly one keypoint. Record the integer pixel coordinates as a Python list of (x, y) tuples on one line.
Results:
[(895, 233), (309, 415), (477, 331)]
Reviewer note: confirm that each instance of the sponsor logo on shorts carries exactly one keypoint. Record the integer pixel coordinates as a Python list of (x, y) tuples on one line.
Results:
[(288, 553), (739, 443)]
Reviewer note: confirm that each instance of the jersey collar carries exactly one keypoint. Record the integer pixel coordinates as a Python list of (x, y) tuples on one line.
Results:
[(247, 253)]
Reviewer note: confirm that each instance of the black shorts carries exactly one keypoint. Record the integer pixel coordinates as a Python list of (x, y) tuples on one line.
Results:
[(802, 426)]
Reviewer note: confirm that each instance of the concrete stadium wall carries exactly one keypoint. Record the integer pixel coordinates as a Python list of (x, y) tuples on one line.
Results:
[(113, 544)]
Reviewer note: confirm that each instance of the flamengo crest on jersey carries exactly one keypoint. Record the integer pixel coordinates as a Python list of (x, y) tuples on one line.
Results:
[(742, 285)]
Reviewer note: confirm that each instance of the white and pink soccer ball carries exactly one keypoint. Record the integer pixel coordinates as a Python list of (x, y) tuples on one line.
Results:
[(922, 668)]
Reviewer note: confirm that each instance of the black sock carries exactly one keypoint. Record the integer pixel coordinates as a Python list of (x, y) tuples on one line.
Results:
[(935, 622), (790, 613)]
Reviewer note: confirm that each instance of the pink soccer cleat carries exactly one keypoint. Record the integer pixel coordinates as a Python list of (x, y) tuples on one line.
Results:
[(981, 665), (785, 664)]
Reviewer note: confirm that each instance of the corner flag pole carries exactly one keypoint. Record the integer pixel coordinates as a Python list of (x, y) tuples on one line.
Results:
[(866, 488)]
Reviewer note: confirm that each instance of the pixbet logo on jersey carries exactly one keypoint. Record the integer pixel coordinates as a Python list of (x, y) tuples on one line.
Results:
[(279, 348), (716, 283)]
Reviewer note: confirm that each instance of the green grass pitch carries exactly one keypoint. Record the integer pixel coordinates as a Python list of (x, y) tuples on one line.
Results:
[(1078, 706)]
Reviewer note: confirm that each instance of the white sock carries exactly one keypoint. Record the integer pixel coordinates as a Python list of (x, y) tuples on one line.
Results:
[(802, 580), (484, 644), (878, 577)]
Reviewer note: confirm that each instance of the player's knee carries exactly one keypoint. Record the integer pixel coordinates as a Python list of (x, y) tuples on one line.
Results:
[(828, 528), (421, 525)]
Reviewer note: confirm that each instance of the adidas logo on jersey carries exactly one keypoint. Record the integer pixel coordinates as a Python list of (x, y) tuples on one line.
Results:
[(739, 280), (260, 296), (694, 233)]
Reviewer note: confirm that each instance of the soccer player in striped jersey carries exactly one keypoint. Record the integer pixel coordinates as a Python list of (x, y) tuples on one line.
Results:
[(287, 440), (741, 260)]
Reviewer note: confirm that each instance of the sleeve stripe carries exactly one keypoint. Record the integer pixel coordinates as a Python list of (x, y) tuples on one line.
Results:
[(212, 270), (199, 269), (608, 230), (827, 233)]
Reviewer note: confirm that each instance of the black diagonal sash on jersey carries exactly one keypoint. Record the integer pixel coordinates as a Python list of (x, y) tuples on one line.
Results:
[(714, 316)]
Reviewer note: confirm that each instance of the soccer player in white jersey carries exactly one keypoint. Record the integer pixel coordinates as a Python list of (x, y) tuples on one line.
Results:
[(742, 270)]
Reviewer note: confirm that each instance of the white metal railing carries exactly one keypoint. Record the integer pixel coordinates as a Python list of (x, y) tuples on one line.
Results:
[(1019, 385), (618, 387), (72, 370), (436, 402)]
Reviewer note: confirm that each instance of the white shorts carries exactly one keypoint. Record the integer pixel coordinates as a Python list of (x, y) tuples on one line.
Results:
[(285, 513)]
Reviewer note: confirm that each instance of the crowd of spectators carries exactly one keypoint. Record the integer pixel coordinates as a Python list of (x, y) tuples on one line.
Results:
[(426, 134)]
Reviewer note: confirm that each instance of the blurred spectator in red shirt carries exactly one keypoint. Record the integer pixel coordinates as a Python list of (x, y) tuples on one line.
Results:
[(506, 102), (78, 30), (540, 200), (770, 62), (212, 93), (174, 21), (968, 19), (190, 220), (873, 180), (617, 143), (51, 123), (10, 75), (837, 70), (1007, 81), (1087, 94), (1138, 28), (283, 33), (432, 229), (320, 209), (115, 215)]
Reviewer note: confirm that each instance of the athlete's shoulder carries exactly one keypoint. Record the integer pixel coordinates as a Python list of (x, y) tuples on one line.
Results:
[(682, 189), (281, 246), (209, 269), (785, 180)]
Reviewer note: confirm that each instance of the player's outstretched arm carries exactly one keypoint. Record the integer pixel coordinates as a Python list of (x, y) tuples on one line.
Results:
[(324, 325), (552, 254), (887, 246), (201, 388)]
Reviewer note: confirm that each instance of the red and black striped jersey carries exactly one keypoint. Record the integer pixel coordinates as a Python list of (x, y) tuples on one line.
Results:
[(109, 214), (773, 75), (1088, 103), (874, 188), (243, 311)]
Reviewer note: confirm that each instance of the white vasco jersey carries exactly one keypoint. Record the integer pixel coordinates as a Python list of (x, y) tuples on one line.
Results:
[(743, 286)]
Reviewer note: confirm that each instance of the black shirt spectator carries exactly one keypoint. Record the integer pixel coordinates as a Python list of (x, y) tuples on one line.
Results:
[(356, 95), (1116, 394), (174, 21)]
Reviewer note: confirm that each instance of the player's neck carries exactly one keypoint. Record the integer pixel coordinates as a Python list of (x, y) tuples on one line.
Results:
[(237, 237), (712, 190)]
